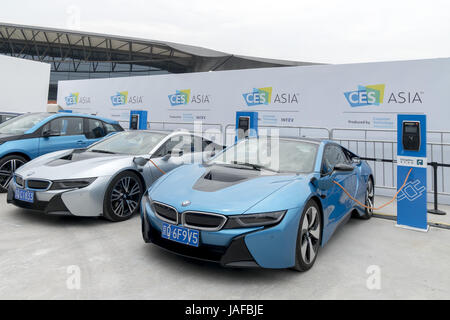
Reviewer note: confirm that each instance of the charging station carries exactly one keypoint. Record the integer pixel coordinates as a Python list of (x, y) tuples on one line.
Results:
[(246, 124), (138, 120), (412, 155)]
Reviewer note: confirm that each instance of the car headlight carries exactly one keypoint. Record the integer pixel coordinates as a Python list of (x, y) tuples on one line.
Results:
[(71, 183), (254, 220)]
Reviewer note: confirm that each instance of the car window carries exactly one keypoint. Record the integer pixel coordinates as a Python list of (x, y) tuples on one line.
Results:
[(95, 129), (109, 128), (65, 126), (183, 143), (129, 142), (332, 156), (20, 124)]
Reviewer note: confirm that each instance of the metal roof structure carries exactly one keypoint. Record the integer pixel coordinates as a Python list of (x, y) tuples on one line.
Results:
[(59, 47)]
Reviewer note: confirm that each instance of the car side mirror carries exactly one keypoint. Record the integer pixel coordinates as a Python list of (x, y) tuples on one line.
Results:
[(50, 133), (176, 153), (140, 161), (343, 167), (323, 183), (356, 161)]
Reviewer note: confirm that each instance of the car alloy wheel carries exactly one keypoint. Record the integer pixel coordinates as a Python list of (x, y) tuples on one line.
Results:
[(7, 169), (310, 236), (125, 196), (370, 196)]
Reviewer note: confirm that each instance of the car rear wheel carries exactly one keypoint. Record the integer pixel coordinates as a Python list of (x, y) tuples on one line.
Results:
[(8, 165), (309, 237), (123, 197)]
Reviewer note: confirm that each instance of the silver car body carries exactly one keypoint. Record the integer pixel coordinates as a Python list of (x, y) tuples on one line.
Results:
[(88, 201)]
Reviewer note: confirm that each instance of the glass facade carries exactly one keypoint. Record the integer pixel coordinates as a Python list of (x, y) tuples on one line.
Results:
[(76, 70)]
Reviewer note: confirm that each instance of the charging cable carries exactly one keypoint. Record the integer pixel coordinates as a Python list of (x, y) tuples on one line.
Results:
[(162, 171), (384, 205)]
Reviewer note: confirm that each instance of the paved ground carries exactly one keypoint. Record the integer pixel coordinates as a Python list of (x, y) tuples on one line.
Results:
[(36, 253)]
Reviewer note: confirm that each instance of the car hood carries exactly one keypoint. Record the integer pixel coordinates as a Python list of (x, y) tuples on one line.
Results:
[(72, 164), (217, 188)]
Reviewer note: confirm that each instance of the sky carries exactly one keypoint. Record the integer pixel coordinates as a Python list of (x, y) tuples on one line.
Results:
[(326, 31)]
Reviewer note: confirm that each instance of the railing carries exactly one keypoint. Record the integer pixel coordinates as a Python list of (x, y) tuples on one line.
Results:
[(368, 143)]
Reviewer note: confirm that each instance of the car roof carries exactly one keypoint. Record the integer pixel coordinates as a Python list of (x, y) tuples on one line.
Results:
[(296, 138), (67, 114)]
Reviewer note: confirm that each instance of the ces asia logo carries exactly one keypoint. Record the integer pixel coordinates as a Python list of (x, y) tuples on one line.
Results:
[(373, 95), (122, 98), (263, 96), (75, 98), (183, 97)]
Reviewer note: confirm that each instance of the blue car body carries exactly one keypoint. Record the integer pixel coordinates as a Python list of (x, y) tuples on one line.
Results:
[(32, 144), (267, 247), (22, 144)]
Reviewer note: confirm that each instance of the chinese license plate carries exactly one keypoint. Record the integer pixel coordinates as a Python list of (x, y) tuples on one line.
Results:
[(180, 234), (24, 195)]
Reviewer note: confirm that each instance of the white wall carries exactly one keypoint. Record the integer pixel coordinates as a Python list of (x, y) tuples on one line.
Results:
[(23, 85)]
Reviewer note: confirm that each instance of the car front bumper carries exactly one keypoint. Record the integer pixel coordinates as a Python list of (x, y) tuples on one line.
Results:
[(272, 247), (84, 202)]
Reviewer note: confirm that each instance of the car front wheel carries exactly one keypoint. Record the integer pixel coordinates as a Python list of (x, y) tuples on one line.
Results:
[(123, 197), (8, 165), (309, 237)]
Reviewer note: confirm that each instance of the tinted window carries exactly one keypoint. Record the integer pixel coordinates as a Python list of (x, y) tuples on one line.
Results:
[(65, 126), (95, 129), (332, 156)]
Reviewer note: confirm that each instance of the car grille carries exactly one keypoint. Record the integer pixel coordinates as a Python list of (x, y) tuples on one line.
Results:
[(165, 212), (203, 220), (38, 184), (19, 181)]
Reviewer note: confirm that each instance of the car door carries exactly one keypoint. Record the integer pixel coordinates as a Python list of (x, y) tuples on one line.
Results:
[(94, 131), (62, 133), (336, 202)]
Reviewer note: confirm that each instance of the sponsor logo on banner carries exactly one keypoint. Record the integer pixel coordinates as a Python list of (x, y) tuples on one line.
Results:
[(122, 98), (184, 97), (266, 96), (75, 98), (374, 95)]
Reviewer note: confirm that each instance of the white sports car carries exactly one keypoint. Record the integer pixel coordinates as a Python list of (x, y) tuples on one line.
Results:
[(108, 178)]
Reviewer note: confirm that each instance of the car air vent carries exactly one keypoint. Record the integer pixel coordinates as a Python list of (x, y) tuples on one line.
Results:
[(38, 184), (165, 212), (19, 181), (224, 176), (203, 220)]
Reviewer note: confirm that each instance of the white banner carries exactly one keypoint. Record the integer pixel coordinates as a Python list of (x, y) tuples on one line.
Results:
[(367, 95), (23, 85)]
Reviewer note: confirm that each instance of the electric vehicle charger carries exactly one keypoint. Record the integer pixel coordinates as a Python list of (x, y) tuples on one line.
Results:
[(373, 208)]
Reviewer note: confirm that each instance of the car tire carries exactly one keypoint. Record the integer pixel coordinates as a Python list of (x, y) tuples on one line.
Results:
[(309, 237), (369, 200), (123, 197), (8, 165)]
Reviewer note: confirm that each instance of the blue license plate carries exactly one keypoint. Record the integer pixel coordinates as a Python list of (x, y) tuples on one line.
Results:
[(24, 195), (180, 234)]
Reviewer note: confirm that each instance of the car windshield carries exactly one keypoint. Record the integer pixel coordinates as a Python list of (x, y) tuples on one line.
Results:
[(279, 155), (23, 123), (129, 142)]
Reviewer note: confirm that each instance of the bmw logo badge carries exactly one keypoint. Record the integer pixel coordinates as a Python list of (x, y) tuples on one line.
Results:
[(185, 203)]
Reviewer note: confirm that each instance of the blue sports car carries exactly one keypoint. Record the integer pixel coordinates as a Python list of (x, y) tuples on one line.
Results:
[(28, 136), (263, 202)]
